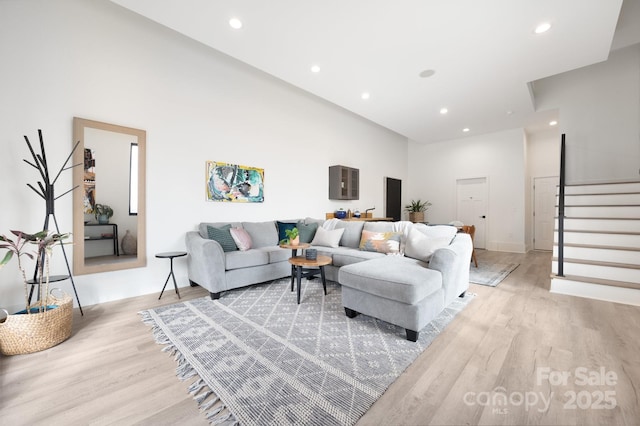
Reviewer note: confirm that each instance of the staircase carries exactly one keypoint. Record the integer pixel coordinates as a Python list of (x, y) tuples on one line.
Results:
[(601, 243)]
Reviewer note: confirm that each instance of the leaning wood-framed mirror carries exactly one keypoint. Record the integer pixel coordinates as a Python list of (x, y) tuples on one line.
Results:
[(110, 172)]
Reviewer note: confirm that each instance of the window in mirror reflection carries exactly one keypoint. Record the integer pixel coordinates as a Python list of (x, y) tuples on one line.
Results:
[(133, 180)]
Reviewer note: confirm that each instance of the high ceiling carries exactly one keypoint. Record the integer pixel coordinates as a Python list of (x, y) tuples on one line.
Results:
[(483, 54)]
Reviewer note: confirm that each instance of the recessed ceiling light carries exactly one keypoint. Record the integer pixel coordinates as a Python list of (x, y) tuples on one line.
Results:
[(553, 123), (427, 73), (235, 23), (315, 68), (365, 95), (509, 112), (543, 27), (466, 129), (443, 111)]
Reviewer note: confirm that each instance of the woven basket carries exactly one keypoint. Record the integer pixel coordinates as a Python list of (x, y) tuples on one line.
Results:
[(27, 333)]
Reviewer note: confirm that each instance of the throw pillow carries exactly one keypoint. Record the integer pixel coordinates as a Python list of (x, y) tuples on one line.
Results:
[(307, 231), (420, 246), (241, 238), (381, 242), (282, 227), (437, 231), (223, 237), (327, 238)]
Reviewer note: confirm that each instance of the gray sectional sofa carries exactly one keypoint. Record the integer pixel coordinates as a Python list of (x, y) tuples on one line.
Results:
[(399, 272)]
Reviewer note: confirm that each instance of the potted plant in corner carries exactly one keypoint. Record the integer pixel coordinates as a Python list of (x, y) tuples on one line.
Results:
[(47, 322), (416, 210), (102, 213)]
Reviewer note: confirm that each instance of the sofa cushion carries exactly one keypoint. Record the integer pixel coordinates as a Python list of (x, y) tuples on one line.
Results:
[(241, 237), (276, 254), (245, 259), (342, 256), (379, 226), (263, 234), (352, 231), (420, 246), (381, 242), (307, 231), (327, 238), (282, 228), (223, 237), (392, 277)]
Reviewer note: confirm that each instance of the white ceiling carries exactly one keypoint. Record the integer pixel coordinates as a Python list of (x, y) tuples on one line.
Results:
[(484, 53)]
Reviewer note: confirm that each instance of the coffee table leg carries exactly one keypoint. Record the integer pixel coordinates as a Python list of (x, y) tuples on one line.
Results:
[(324, 282), (299, 276), (293, 274)]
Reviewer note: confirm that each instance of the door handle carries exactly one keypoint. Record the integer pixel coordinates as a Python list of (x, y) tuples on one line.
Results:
[(483, 217)]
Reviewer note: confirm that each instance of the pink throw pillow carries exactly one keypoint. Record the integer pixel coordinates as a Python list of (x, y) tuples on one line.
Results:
[(241, 238)]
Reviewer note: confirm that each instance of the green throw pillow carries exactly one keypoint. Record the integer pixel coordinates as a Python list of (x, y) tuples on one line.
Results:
[(223, 237), (307, 231)]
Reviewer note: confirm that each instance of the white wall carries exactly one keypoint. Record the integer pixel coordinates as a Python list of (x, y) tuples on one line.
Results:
[(97, 61), (600, 110), (500, 157)]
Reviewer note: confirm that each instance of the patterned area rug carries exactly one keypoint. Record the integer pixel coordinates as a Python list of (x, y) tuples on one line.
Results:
[(490, 275), (260, 358)]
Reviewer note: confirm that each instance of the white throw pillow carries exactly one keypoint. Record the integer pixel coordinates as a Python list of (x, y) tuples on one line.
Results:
[(327, 238), (437, 231), (420, 246)]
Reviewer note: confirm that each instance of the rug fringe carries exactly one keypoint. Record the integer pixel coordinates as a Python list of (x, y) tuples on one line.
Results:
[(184, 371), (220, 418)]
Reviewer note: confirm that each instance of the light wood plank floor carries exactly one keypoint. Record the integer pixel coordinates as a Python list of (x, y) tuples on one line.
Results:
[(506, 342)]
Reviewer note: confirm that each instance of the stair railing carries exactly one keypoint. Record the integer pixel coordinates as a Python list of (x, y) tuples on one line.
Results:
[(561, 209)]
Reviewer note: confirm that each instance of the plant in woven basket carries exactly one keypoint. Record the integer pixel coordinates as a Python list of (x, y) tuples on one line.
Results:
[(416, 210), (20, 246)]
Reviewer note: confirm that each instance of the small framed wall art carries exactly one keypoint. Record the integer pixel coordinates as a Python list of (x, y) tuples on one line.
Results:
[(234, 183)]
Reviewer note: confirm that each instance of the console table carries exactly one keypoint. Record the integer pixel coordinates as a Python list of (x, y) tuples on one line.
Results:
[(114, 236)]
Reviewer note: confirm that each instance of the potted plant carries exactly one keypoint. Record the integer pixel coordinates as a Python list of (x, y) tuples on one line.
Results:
[(47, 322), (416, 210), (293, 237), (102, 213)]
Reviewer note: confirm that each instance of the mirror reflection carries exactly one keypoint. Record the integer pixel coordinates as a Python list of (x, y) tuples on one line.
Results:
[(109, 220)]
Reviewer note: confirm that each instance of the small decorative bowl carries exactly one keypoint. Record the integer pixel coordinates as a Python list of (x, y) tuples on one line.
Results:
[(340, 214)]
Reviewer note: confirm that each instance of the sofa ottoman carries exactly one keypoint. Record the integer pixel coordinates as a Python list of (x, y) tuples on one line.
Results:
[(396, 289)]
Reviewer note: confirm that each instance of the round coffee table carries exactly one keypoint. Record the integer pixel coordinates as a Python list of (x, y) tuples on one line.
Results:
[(308, 268)]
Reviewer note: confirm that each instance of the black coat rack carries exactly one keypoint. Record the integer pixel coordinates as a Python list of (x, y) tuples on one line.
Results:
[(46, 191)]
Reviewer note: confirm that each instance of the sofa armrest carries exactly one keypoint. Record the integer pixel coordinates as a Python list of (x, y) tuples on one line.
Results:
[(453, 263), (206, 262)]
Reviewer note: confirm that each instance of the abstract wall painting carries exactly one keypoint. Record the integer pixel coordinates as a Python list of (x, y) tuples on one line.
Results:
[(234, 183)]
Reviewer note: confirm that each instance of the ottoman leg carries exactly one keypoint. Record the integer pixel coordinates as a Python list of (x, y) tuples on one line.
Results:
[(350, 313), (412, 336)]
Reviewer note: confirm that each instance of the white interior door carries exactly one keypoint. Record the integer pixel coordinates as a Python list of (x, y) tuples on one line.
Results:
[(472, 207), (544, 209)]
